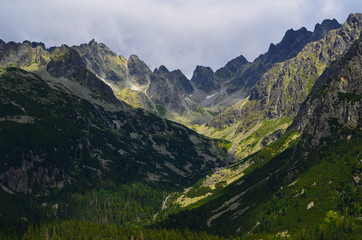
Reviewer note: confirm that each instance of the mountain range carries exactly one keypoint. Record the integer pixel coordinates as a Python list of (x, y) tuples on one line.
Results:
[(265, 149)]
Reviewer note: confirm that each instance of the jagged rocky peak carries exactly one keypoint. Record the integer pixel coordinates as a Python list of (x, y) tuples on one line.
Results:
[(178, 72), (95, 46), (204, 79), (233, 64), (12, 44), (22, 54), (134, 58), (321, 29), (161, 70), (138, 70), (103, 62), (354, 19), (67, 62), (35, 44), (136, 65), (93, 50), (291, 44), (175, 78), (281, 89), (171, 90), (203, 70), (294, 40), (233, 67), (181, 81), (92, 42), (289, 40), (291, 33)]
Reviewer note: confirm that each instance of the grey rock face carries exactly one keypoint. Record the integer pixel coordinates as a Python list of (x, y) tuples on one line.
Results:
[(282, 89), (321, 30), (138, 70), (182, 83), (171, 89), (204, 79), (292, 43), (66, 62), (238, 76), (167, 90), (233, 69), (103, 62), (22, 54), (336, 99)]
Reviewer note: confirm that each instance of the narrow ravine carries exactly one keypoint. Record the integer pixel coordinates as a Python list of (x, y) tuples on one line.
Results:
[(163, 206), (231, 155)]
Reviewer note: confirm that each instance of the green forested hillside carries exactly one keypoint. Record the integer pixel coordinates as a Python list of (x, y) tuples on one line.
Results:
[(69, 157), (311, 189)]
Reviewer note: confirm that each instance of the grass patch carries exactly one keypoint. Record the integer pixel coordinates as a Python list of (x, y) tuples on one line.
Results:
[(161, 111), (201, 110)]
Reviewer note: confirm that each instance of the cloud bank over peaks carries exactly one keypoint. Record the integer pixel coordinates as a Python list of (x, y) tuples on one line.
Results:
[(178, 34)]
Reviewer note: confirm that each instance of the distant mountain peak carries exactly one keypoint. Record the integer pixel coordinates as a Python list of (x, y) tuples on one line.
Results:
[(239, 60), (294, 40), (327, 25), (91, 42), (354, 18), (203, 68), (204, 78), (35, 44), (161, 69), (134, 57), (328, 22)]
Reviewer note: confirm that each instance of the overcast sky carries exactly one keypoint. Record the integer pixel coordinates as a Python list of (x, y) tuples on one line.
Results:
[(179, 34)]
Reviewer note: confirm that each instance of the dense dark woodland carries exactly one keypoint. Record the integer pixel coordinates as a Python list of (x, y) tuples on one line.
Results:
[(78, 160)]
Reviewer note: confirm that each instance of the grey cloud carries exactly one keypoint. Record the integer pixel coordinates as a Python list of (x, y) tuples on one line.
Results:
[(178, 34)]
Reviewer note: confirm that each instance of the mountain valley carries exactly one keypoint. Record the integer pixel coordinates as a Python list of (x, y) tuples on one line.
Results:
[(95, 145)]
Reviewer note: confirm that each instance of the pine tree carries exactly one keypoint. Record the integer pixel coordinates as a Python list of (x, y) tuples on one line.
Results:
[(141, 235), (46, 234), (53, 234)]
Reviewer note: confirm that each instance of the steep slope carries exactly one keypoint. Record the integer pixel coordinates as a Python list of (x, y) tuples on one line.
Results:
[(168, 89), (128, 78), (274, 101), (23, 55), (119, 71), (292, 43), (338, 89), (139, 72), (238, 76), (210, 88), (311, 189), (63, 132), (103, 62), (161, 92), (204, 79)]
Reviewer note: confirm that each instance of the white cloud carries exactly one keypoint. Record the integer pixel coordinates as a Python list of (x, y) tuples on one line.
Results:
[(178, 34)]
